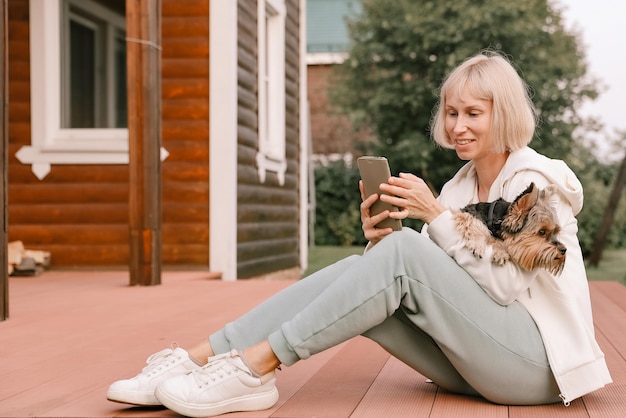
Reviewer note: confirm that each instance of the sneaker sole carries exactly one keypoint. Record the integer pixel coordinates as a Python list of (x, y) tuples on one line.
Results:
[(254, 402), (139, 399)]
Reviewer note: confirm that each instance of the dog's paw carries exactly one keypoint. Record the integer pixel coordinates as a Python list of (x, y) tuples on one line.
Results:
[(500, 259), (476, 247), (500, 256)]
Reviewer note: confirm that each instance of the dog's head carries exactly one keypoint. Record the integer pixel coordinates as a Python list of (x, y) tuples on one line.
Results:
[(530, 231)]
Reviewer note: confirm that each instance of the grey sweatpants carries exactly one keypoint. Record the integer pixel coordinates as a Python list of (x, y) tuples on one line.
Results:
[(410, 297)]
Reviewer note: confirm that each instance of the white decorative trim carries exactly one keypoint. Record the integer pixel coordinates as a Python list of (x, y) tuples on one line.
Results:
[(223, 138), (265, 164), (41, 160)]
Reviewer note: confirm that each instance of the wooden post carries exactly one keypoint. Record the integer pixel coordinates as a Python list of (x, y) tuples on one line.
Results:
[(4, 169), (143, 32)]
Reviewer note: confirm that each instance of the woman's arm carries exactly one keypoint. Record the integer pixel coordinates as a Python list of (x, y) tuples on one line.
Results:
[(410, 194), (503, 283), (413, 196)]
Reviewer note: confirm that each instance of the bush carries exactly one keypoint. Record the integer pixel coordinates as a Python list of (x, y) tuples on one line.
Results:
[(337, 213)]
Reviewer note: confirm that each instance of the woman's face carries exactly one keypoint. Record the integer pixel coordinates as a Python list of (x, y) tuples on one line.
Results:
[(468, 124)]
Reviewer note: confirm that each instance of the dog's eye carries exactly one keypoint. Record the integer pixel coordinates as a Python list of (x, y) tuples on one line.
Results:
[(542, 232)]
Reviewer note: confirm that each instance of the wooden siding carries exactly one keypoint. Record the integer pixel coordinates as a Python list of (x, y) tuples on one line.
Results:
[(80, 212), (267, 213), (185, 85)]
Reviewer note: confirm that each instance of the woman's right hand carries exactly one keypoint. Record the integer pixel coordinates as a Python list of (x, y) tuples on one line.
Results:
[(368, 223)]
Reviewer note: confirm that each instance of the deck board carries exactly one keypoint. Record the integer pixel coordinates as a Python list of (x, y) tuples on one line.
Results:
[(357, 365), (71, 334), (398, 391)]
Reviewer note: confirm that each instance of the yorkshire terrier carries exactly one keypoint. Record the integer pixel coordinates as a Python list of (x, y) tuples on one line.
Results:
[(523, 231)]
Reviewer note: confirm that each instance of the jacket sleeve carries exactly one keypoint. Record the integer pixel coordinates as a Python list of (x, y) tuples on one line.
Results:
[(504, 283)]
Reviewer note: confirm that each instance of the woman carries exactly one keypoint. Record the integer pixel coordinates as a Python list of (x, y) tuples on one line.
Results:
[(509, 335)]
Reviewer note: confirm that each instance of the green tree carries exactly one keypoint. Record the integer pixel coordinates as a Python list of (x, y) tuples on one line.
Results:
[(401, 50), (599, 180)]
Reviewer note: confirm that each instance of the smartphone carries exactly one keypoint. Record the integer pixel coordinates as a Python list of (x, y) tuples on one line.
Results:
[(374, 171)]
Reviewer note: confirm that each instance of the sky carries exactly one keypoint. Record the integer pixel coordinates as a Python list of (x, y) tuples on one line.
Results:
[(602, 23)]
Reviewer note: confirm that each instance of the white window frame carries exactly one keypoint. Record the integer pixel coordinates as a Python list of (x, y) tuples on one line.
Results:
[(51, 144), (271, 99)]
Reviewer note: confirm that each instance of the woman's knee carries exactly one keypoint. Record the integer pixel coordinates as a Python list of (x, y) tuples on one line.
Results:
[(405, 238)]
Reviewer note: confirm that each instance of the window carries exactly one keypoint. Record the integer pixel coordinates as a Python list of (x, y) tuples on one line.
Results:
[(271, 44), (78, 85), (93, 67)]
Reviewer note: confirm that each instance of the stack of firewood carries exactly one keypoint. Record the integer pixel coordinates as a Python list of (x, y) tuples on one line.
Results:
[(23, 262)]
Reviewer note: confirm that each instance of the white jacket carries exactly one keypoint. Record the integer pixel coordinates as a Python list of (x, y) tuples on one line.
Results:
[(560, 305)]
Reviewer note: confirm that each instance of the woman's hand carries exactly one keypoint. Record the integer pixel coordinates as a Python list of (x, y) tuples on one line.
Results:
[(368, 223), (412, 195)]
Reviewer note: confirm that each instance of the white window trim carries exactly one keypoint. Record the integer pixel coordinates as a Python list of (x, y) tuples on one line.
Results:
[(271, 155), (50, 144), (223, 142)]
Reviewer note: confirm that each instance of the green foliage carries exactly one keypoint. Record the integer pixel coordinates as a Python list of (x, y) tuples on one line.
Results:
[(337, 206), (401, 50), (598, 180)]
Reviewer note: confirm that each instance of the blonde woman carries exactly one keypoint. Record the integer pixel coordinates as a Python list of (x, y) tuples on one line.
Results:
[(473, 327)]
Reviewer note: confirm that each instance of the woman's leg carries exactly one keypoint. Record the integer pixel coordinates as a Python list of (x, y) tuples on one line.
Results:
[(402, 339), (405, 293), (257, 324), (496, 349)]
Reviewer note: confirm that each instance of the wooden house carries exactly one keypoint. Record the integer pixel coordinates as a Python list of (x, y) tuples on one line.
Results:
[(233, 128)]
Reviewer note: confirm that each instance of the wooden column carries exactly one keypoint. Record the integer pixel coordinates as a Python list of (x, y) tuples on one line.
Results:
[(4, 169), (143, 32)]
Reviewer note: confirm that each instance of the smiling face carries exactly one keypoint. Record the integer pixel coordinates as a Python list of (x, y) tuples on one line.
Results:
[(468, 125), (492, 78)]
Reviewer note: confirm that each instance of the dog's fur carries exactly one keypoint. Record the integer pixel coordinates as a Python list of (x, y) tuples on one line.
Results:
[(523, 231)]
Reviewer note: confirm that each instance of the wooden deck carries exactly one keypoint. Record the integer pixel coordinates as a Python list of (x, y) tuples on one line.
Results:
[(72, 333)]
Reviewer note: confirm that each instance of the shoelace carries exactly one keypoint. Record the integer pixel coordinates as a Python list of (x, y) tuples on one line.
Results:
[(216, 369), (158, 361)]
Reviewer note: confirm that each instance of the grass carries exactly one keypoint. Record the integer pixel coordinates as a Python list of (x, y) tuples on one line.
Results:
[(322, 256), (612, 266)]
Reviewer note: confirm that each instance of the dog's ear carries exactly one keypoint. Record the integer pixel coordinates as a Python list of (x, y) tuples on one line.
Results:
[(515, 219), (530, 189)]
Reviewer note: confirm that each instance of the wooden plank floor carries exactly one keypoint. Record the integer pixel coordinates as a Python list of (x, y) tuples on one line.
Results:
[(71, 334)]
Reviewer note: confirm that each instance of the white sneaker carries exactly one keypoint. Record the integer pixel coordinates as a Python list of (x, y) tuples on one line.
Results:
[(224, 385), (140, 389)]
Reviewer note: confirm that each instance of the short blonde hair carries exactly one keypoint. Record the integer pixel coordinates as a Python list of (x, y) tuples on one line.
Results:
[(490, 76)]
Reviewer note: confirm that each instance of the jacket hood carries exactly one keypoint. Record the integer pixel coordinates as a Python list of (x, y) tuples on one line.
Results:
[(527, 159), (556, 171)]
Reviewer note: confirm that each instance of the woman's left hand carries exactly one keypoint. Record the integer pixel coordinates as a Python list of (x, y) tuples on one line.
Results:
[(413, 196)]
